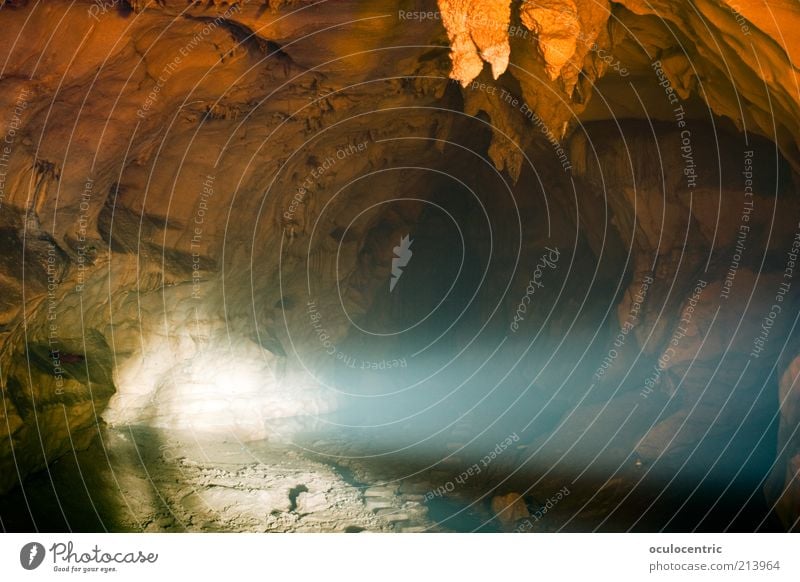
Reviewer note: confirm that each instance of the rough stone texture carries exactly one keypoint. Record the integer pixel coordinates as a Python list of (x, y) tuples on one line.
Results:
[(509, 508), (175, 481), (747, 74), (729, 67), (478, 33), (782, 488), (557, 28)]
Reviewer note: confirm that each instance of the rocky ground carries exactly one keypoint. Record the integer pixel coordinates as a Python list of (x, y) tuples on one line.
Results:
[(326, 478), (148, 480)]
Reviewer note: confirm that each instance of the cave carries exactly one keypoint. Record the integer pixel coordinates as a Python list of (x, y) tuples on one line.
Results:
[(443, 266)]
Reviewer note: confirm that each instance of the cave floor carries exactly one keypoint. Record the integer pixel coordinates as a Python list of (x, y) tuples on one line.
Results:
[(324, 476), (143, 479)]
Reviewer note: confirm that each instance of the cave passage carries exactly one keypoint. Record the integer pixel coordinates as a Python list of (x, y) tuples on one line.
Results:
[(487, 373), (322, 267)]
